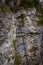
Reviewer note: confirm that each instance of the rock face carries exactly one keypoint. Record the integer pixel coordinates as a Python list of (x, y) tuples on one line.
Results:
[(23, 27), (7, 34), (29, 38), (5, 25)]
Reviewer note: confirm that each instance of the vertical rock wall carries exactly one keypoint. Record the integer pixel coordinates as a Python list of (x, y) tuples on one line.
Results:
[(29, 38), (7, 34), (21, 25)]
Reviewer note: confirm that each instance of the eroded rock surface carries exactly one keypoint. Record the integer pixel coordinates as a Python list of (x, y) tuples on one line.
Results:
[(29, 37), (21, 25)]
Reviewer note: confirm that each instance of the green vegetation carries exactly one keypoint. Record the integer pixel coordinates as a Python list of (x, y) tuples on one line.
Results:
[(16, 56), (41, 21), (17, 59), (29, 3), (5, 8), (14, 44)]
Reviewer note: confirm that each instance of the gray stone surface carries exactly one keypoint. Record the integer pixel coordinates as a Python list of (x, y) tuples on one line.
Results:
[(29, 38), (7, 34)]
